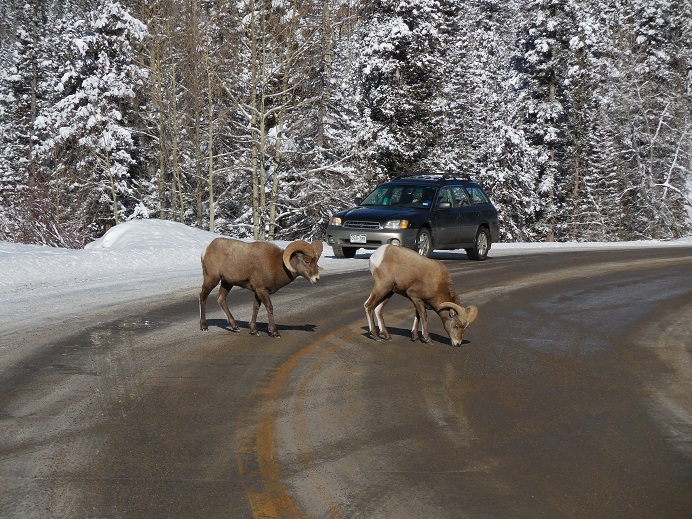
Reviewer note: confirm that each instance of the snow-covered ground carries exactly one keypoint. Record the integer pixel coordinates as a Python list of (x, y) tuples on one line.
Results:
[(138, 261)]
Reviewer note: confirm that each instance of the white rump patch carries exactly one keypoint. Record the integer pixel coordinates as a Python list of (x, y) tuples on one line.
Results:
[(376, 258)]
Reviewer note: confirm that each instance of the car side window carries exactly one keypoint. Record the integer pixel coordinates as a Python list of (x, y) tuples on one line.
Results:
[(460, 197), (477, 195), (445, 196)]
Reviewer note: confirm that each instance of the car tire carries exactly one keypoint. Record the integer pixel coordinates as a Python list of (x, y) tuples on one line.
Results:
[(344, 252), (481, 245), (424, 245)]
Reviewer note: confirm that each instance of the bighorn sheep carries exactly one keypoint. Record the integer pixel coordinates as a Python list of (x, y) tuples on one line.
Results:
[(426, 282), (261, 267)]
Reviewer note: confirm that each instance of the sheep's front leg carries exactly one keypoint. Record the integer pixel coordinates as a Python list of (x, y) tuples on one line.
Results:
[(422, 315), (253, 320), (414, 328), (263, 295)]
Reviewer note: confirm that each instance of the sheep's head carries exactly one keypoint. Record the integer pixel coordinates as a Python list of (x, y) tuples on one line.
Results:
[(457, 321), (300, 258)]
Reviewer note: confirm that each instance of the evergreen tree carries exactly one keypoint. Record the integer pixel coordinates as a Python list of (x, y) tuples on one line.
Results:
[(400, 96), (24, 93), (590, 207), (90, 137), (541, 65), (486, 137), (260, 118)]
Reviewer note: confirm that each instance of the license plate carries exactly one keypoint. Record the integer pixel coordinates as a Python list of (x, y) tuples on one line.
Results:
[(359, 238)]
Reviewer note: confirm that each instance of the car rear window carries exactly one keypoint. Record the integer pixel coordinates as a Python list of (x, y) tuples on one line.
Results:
[(477, 195)]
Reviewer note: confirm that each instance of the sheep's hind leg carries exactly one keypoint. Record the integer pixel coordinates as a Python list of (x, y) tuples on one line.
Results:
[(384, 333), (375, 302), (207, 287), (224, 289)]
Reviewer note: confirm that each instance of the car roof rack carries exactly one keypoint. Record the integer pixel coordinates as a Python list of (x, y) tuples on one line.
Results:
[(433, 176)]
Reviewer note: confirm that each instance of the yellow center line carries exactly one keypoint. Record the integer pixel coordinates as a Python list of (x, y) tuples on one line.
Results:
[(270, 497)]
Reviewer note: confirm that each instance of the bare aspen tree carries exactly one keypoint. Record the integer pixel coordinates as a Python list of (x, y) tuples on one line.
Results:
[(177, 185), (155, 15), (210, 137)]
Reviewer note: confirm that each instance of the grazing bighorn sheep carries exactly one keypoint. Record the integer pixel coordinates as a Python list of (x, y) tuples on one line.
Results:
[(261, 267), (426, 282)]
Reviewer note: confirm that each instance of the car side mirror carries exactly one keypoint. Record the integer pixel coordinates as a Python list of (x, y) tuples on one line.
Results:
[(444, 205), (358, 200)]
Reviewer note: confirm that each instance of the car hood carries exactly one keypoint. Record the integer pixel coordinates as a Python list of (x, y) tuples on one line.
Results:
[(381, 213)]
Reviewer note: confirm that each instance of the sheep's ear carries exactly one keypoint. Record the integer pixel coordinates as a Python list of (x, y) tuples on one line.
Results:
[(317, 246), (471, 313)]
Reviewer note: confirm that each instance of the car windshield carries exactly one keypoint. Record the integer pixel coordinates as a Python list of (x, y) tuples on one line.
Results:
[(401, 196)]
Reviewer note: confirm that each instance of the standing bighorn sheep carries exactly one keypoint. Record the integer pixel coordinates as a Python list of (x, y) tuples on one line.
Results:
[(261, 267), (426, 282)]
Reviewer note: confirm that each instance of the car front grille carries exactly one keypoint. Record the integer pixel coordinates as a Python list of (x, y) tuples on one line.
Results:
[(355, 224)]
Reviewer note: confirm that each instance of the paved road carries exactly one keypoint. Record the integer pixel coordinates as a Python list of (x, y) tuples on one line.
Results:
[(571, 397)]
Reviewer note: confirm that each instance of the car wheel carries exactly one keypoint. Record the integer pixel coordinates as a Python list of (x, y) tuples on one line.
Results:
[(424, 242), (480, 246), (344, 252)]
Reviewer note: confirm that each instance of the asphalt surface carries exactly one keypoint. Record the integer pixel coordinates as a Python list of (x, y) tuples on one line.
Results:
[(570, 397)]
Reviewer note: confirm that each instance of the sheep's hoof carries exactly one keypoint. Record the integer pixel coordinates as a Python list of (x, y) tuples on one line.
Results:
[(375, 337), (254, 332), (203, 326), (427, 340), (234, 329), (275, 334)]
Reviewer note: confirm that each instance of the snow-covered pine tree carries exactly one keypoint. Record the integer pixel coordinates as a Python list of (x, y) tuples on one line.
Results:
[(91, 131), (400, 96), (592, 211), (541, 65), (485, 138), (24, 93)]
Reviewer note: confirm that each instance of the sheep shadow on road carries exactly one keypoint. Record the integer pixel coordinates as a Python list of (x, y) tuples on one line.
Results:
[(262, 328), (406, 333)]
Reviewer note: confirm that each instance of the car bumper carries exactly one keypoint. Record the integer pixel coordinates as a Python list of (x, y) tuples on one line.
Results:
[(342, 237)]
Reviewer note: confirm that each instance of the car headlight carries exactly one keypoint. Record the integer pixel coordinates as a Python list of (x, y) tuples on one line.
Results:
[(335, 220), (396, 224)]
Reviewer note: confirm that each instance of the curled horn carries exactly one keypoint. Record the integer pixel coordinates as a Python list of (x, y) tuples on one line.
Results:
[(468, 314), (297, 246)]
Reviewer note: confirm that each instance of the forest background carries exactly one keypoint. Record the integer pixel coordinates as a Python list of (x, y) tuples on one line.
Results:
[(260, 118)]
